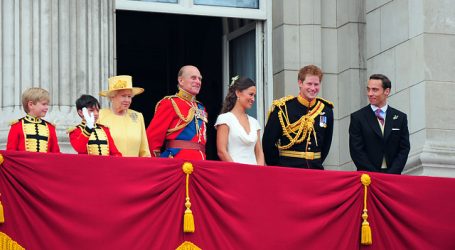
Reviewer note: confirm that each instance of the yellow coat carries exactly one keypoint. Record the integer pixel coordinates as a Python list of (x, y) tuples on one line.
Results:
[(128, 132)]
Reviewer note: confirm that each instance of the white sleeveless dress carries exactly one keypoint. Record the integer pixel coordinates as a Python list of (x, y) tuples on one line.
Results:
[(240, 144)]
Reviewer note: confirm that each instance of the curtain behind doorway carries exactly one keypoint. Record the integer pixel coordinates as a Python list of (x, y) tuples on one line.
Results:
[(152, 47), (242, 59)]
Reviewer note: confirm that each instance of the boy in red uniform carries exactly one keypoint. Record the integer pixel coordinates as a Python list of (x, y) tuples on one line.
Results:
[(90, 137), (31, 133)]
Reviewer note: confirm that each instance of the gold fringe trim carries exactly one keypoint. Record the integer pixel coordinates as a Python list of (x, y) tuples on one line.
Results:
[(278, 103), (188, 219), (366, 237), (6, 243), (187, 245)]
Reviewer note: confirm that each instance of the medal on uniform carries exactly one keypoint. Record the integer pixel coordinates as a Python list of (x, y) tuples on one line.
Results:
[(201, 114), (323, 121)]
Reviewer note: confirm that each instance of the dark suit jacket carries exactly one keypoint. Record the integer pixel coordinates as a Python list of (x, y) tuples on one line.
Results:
[(368, 146)]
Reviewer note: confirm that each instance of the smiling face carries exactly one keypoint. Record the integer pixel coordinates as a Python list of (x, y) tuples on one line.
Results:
[(190, 80), (38, 109), (309, 88), (246, 97), (122, 100), (377, 95)]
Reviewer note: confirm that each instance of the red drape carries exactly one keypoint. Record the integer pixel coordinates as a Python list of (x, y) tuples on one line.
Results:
[(58, 201)]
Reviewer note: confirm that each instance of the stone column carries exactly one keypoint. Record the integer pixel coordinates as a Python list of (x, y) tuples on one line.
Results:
[(296, 41), (343, 63), (434, 119), (413, 42), (64, 46)]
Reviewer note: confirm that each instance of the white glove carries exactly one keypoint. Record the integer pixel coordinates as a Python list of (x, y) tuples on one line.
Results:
[(89, 119)]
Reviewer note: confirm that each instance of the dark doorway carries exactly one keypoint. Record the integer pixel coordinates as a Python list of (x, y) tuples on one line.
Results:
[(152, 47)]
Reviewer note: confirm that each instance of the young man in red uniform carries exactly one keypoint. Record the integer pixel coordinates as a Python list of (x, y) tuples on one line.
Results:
[(179, 124), (90, 137), (31, 133)]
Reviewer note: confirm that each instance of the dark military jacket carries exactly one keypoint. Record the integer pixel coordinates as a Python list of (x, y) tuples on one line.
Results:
[(296, 125)]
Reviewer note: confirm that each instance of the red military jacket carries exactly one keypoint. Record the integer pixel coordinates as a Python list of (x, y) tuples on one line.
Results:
[(32, 134), (179, 117), (95, 141)]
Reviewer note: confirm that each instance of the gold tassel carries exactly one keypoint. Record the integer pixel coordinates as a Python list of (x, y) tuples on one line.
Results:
[(187, 245), (366, 237), (188, 219), (6, 243), (366, 230), (2, 215)]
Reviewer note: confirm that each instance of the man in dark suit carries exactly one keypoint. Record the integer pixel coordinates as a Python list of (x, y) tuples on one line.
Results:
[(378, 133)]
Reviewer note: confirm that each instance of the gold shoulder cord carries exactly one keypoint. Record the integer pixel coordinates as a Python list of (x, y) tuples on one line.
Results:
[(185, 120), (299, 130)]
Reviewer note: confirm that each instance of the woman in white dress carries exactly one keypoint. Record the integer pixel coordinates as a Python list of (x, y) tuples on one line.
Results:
[(238, 137)]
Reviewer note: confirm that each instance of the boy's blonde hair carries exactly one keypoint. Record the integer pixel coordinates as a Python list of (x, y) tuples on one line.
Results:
[(35, 95)]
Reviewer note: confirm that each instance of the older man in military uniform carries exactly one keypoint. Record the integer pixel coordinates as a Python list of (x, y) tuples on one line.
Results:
[(179, 124), (299, 129)]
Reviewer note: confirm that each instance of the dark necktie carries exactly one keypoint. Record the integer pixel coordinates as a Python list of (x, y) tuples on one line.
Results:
[(378, 115)]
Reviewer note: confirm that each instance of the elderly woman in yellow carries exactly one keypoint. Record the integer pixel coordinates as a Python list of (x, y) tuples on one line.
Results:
[(126, 125)]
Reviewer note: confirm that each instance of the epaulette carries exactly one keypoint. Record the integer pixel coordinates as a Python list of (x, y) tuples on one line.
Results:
[(164, 98), (279, 103), (169, 97), (329, 103), (282, 100), (69, 130), (11, 123)]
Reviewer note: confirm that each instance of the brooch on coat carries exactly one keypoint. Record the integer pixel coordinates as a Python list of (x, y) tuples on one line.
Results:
[(133, 117), (395, 117)]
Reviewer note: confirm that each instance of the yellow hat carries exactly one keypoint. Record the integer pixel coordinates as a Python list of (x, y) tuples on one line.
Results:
[(120, 83)]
